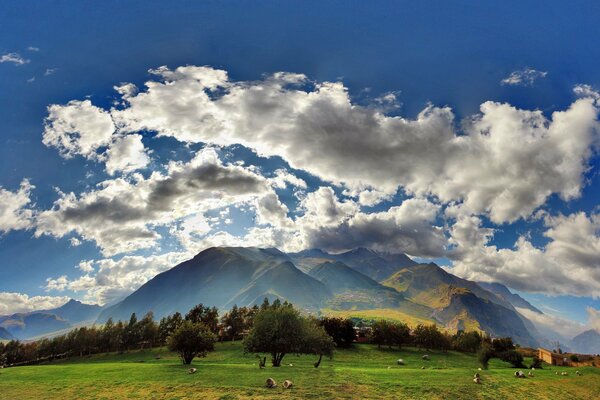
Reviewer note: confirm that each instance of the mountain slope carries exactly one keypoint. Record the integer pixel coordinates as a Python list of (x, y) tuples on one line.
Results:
[(587, 342), (506, 294), (373, 265), (222, 277), (75, 311), (5, 335), (27, 325)]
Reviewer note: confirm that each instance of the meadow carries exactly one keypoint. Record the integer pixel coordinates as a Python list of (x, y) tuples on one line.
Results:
[(363, 372)]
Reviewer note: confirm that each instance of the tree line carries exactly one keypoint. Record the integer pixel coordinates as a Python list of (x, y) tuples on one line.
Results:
[(275, 329)]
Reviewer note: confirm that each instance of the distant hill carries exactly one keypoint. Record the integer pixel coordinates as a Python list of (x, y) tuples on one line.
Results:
[(587, 342), (27, 325), (5, 335), (75, 311), (506, 294), (222, 277), (41, 322)]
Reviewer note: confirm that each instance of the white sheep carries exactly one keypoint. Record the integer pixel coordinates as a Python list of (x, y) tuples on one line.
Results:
[(287, 384), (271, 383), (192, 370), (400, 361), (477, 380)]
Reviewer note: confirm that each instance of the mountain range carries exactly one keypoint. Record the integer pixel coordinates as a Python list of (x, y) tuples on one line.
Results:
[(37, 323), (318, 282)]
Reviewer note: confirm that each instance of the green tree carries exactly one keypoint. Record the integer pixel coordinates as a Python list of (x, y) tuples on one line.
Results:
[(279, 329), (340, 329), (192, 340), (207, 316), (168, 325), (316, 341)]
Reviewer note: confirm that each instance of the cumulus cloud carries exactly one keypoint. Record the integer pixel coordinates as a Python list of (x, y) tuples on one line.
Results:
[(14, 211), (568, 264), (11, 302), (77, 128), (506, 161), (524, 77), (115, 279), (121, 214), (14, 58), (126, 154)]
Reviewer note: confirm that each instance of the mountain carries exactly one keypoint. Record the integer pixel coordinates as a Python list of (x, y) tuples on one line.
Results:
[(75, 311), (514, 299), (587, 342), (313, 280), (461, 304), (377, 266), (222, 277), (28, 325), (5, 335), (353, 290)]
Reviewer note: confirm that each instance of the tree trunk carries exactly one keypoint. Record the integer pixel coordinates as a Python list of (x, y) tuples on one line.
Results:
[(276, 359), (318, 361)]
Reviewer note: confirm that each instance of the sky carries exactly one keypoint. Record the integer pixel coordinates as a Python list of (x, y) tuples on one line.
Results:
[(133, 135)]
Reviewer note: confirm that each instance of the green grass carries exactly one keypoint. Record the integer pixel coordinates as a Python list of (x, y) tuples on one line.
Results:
[(363, 372)]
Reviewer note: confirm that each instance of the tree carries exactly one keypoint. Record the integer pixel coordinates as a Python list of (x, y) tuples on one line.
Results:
[(316, 341), (148, 330), (429, 337), (192, 340), (467, 341), (484, 354), (340, 329), (207, 316), (168, 325), (132, 332), (279, 329), (234, 321)]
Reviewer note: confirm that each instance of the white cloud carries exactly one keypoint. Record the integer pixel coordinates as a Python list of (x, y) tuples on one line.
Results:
[(283, 178), (506, 162), (524, 77), (33, 48), (11, 302), (50, 71), (550, 325), (593, 318), (568, 264), (78, 128), (14, 211), (126, 154), (14, 58), (115, 279), (122, 214)]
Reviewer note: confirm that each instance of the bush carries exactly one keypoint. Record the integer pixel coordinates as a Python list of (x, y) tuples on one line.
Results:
[(513, 357), (574, 357), (536, 363), (340, 329)]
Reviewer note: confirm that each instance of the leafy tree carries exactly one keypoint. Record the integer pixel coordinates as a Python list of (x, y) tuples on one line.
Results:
[(132, 334), (235, 321), (484, 354), (467, 341), (430, 337), (316, 341), (192, 340), (168, 325), (513, 357), (279, 329), (207, 316), (536, 363), (148, 330), (340, 329)]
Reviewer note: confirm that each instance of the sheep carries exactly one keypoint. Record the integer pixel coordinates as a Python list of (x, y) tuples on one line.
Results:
[(423, 367), (556, 373), (287, 384), (400, 361), (519, 374), (425, 357), (290, 365), (271, 383), (478, 369), (564, 373), (530, 373), (578, 373), (192, 370), (477, 380), (476, 375)]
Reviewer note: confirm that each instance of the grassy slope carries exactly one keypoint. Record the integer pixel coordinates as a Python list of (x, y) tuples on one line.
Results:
[(362, 372)]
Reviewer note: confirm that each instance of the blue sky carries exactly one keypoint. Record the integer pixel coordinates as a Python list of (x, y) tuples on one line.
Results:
[(453, 55)]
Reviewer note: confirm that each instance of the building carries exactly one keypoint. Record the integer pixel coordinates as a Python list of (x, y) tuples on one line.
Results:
[(553, 358)]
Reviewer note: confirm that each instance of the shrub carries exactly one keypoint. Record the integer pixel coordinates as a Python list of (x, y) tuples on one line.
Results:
[(192, 340)]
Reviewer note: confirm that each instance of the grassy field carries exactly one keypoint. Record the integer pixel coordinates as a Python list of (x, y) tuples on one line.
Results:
[(360, 373)]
